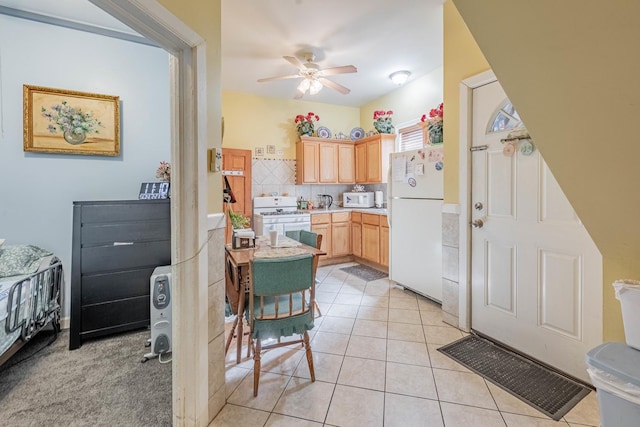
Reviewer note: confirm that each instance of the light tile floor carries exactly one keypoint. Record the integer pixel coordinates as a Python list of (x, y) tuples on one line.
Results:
[(376, 364)]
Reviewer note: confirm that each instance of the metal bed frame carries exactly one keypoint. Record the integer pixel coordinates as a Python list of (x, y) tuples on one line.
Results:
[(44, 306)]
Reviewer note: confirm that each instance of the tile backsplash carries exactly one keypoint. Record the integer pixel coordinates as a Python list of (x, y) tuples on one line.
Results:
[(279, 176)]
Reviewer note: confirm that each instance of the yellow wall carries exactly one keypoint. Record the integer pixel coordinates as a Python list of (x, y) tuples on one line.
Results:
[(576, 89), (408, 102), (252, 121), (204, 17), (462, 59)]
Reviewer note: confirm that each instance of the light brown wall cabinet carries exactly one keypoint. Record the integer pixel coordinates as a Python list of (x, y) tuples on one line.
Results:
[(322, 161), (372, 158)]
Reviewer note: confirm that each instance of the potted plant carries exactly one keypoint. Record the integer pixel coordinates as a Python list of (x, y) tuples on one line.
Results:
[(382, 121), (304, 124), (238, 221), (434, 122)]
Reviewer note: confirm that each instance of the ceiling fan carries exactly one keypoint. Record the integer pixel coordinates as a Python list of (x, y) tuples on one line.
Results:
[(313, 76)]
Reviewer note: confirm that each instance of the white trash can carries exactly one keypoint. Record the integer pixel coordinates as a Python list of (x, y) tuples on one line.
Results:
[(614, 369), (628, 293)]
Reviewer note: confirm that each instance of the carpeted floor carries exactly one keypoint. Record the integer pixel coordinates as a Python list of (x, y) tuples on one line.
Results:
[(365, 272), (102, 383), (546, 390)]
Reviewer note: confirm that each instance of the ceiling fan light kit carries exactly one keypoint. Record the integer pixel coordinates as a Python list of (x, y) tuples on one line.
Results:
[(313, 76), (400, 77)]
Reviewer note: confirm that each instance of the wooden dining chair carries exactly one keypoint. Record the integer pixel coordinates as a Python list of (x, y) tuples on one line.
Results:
[(314, 240), (281, 305)]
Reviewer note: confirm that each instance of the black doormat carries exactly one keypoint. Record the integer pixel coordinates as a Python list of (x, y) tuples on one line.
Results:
[(549, 392), (365, 272)]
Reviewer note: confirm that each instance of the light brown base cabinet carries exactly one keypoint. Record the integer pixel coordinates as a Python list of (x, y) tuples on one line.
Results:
[(356, 233), (349, 234)]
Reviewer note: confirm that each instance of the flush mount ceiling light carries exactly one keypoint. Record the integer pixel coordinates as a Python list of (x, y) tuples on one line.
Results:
[(400, 77)]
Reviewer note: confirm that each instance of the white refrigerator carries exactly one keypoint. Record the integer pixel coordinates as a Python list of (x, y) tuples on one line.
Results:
[(415, 193)]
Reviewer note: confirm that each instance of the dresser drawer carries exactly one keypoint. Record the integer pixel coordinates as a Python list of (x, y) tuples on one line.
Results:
[(117, 257), (140, 231), (105, 287), (116, 313), (121, 211)]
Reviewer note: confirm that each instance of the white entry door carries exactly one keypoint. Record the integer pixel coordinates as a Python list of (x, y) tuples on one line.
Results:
[(536, 274)]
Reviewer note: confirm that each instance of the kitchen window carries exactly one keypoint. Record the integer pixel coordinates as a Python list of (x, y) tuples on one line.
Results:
[(411, 137)]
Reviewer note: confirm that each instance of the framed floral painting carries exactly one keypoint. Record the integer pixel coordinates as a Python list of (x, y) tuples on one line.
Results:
[(70, 122)]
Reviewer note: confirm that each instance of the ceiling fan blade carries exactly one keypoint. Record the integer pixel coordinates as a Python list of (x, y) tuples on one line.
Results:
[(298, 94), (269, 79), (339, 70), (335, 86), (295, 62)]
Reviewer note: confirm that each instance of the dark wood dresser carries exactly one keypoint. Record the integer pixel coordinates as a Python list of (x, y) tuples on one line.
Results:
[(116, 247)]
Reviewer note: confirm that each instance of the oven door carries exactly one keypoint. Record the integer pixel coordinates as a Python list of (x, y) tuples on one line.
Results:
[(295, 226)]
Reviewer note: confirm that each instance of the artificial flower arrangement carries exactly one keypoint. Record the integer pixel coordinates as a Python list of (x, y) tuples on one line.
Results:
[(434, 123), (382, 121), (305, 123), (164, 171), (70, 120)]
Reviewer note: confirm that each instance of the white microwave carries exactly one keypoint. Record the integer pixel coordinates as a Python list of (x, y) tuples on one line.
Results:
[(357, 200)]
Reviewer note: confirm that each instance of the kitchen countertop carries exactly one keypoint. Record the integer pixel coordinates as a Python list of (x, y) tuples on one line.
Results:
[(375, 211)]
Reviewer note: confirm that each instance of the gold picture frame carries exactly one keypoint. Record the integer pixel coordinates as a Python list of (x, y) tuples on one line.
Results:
[(70, 122), (271, 149)]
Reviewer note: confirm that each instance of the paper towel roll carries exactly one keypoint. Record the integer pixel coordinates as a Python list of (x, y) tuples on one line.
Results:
[(379, 199)]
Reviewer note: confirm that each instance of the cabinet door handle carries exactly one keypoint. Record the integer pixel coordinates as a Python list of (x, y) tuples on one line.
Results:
[(122, 243)]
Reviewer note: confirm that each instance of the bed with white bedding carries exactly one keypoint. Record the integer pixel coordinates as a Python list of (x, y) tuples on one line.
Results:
[(30, 280)]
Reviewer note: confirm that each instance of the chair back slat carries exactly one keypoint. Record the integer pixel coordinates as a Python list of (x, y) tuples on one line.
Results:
[(293, 234), (310, 238), (279, 276)]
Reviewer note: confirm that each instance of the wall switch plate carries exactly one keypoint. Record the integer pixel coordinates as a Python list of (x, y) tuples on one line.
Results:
[(280, 153), (214, 159)]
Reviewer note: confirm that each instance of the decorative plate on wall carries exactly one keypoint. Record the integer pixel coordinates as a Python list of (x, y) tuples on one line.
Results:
[(323, 132), (357, 133)]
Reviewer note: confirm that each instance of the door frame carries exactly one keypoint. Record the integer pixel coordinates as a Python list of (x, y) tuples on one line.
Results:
[(189, 222), (464, 187)]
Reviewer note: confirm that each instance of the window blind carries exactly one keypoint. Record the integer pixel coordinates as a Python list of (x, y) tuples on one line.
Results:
[(411, 138)]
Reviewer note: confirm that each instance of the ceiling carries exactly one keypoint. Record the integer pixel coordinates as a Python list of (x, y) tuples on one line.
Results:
[(378, 37)]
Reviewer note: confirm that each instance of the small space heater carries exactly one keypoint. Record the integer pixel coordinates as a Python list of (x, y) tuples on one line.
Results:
[(160, 318)]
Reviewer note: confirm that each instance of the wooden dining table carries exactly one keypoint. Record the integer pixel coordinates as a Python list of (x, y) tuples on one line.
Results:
[(238, 273)]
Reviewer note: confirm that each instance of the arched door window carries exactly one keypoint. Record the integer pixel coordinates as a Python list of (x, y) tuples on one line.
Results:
[(505, 118)]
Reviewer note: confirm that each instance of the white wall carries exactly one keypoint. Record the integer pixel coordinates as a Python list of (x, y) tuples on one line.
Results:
[(38, 190)]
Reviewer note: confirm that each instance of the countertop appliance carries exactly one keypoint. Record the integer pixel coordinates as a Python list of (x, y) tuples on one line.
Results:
[(278, 213), (357, 200), (414, 212), (324, 201)]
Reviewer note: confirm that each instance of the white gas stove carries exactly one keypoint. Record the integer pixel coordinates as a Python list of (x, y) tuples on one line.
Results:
[(278, 213)]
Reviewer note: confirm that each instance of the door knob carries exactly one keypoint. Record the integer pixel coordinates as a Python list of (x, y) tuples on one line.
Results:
[(477, 223), (478, 206)]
